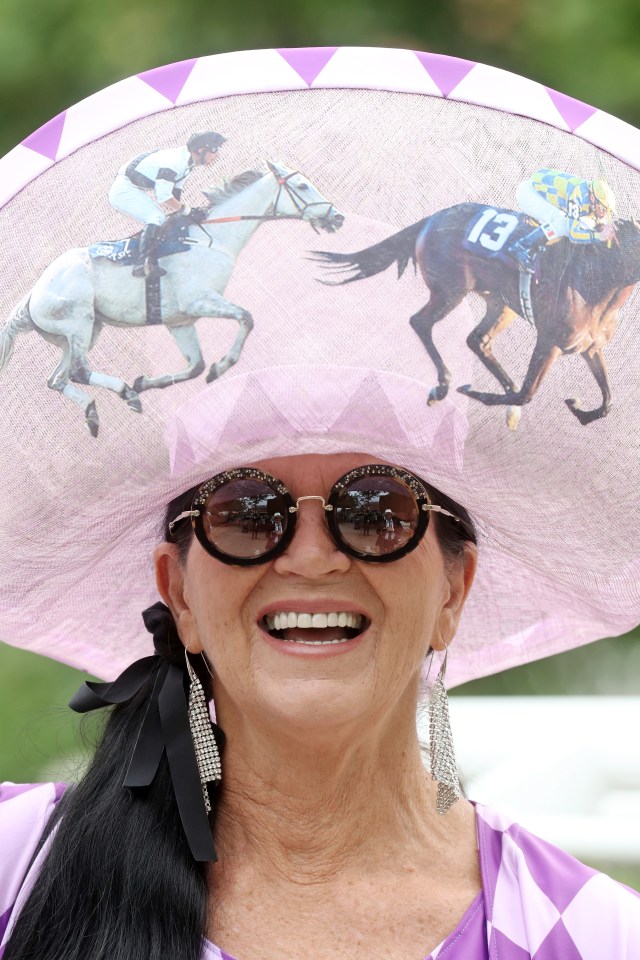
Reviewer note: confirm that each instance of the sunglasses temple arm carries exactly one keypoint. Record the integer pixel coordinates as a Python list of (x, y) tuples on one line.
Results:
[(437, 509), (183, 516)]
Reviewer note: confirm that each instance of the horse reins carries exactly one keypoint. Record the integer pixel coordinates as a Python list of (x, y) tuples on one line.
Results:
[(293, 195)]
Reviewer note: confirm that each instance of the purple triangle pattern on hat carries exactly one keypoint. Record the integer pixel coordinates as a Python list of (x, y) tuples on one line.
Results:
[(242, 429), (446, 72), (370, 397), (169, 80), (46, 139), (308, 62), (573, 112)]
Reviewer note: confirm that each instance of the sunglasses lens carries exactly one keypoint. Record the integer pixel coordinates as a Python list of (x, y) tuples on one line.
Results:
[(376, 515), (245, 519)]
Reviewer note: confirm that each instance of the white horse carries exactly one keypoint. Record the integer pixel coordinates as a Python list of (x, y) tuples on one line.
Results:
[(76, 295)]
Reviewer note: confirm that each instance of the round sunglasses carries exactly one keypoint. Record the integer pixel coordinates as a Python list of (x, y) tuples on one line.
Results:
[(375, 513)]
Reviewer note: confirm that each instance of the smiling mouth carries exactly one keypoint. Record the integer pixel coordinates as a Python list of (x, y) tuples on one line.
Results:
[(314, 629)]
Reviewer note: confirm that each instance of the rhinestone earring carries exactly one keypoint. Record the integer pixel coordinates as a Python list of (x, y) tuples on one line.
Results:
[(441, 752), (204, 742)]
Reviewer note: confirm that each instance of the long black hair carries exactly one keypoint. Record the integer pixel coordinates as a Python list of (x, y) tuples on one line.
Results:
[(119, 882)]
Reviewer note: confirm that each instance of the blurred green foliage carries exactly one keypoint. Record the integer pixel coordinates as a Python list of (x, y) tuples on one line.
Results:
[(39, 735), (53, 54)]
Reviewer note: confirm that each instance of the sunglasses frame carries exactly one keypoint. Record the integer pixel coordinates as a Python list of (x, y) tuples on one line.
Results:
[(415, 485)]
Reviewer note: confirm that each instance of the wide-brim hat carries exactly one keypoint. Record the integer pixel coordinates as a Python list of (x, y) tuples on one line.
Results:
[(400, 173)]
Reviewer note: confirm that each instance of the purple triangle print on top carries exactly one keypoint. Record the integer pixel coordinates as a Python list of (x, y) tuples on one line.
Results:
[(307, 61), (46, 139), (573, 112), (169, 80), (446, 72)]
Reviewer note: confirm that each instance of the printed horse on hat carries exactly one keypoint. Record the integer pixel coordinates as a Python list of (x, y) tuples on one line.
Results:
[(575, 298), (77, 295)]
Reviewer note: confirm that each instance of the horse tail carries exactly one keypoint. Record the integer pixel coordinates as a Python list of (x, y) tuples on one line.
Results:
[(399, 248), (19, 321)]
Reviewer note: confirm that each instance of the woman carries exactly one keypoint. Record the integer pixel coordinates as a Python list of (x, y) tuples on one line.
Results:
[(313, 639), (328, 775)]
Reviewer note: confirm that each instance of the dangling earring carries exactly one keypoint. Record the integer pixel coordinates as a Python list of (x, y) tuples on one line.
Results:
[(204, 742), (442, 756)]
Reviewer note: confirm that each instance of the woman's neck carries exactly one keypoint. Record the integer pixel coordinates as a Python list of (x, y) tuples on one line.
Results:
[(310, 810)]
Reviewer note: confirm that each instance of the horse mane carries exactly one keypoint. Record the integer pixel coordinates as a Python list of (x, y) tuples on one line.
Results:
[(218, 195)]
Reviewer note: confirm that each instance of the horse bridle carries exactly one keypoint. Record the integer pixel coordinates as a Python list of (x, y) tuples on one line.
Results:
[(298, 202)]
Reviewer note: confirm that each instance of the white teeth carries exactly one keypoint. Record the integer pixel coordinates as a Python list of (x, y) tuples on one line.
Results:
[(318, 643), (286, 619)]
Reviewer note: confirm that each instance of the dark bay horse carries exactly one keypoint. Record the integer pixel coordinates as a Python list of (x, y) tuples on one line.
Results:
[(575, 297)]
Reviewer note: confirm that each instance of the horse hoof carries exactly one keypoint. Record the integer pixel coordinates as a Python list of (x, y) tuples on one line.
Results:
[(584, 416), (139, 385), (513, 417), (574, 405), (91, 419), (132, 399), (436, 394), (465, 388), (212, 375)]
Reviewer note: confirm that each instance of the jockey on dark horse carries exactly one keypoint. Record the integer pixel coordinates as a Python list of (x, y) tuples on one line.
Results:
[(564, 206), (459, 250), (163, 172)]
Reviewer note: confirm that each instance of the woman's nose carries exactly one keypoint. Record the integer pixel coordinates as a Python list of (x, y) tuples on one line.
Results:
[(312, 551)]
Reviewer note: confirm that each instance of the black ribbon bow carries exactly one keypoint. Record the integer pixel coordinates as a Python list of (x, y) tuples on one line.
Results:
[(165, 728)]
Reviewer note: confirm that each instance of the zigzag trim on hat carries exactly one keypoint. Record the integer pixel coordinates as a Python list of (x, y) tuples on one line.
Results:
[(259, 71)]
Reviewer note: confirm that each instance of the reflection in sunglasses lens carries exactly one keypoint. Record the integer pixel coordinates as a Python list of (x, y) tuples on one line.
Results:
[(245, 518), (377, 515)]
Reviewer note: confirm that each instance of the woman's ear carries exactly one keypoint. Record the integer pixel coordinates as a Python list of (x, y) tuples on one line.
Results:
[(170, 573), (460, 574)]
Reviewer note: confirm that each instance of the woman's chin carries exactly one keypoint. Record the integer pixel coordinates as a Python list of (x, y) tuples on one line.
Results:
[(304, 707)]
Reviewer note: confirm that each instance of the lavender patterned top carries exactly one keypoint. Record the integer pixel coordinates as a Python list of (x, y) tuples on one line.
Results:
[(537, 903)]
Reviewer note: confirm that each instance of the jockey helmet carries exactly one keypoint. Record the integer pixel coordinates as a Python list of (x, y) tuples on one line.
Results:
[(603, 194), (205, 140)]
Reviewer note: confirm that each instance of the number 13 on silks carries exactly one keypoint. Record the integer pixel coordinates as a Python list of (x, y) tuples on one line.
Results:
[(493, 229)]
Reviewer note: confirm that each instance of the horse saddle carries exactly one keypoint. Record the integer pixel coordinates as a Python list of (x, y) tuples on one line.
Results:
[(493, 231), (173, 239)]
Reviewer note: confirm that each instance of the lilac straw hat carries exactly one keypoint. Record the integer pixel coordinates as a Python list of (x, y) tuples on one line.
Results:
[(394, 192)]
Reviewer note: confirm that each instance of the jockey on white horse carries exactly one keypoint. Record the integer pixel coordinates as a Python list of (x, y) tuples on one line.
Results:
[(95, 291), (565, 206), (164, 172)]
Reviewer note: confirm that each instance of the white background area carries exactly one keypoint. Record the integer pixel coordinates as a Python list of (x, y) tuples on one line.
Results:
[(565, 768)]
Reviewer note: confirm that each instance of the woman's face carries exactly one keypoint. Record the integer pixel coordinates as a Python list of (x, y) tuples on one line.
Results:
[(405, 607)]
